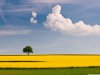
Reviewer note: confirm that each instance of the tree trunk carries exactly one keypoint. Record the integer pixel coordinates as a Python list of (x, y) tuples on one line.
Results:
[(28, 53)]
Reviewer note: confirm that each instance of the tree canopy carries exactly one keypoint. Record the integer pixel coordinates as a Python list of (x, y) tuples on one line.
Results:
[(28, 50)]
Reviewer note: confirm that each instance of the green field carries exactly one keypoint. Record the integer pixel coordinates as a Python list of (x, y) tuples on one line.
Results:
[(65, 71)]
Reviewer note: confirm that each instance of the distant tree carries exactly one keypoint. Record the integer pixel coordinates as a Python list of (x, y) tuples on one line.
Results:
[(28, 50)]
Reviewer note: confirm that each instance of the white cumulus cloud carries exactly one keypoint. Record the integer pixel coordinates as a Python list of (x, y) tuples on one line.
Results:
[(57, 22), (33, 20)]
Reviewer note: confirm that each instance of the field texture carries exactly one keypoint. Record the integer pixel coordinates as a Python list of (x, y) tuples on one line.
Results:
[(73, 71), (49, 61)]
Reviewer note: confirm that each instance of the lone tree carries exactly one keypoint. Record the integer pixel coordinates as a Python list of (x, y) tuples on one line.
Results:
[(28, 50)]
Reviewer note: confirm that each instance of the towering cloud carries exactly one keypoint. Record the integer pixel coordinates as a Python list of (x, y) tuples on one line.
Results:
[(34, 14), (57, 22)]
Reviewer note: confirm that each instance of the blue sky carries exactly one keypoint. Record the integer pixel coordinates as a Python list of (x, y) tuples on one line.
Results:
[(16, 30)]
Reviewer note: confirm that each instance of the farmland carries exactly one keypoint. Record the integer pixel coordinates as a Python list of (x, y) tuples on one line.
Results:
[(48, 61), (60, 71)]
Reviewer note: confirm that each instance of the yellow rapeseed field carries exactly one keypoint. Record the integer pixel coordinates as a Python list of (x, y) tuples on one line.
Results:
[(49, 61)]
